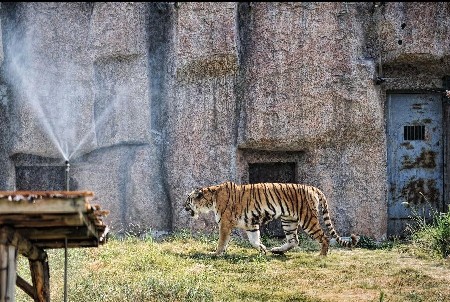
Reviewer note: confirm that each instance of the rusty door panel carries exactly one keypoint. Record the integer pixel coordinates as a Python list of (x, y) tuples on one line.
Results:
[(415, 158)]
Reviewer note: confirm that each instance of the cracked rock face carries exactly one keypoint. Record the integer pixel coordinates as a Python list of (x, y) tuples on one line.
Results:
[(150, 100)]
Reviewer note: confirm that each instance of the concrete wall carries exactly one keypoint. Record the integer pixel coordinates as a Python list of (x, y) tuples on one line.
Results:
[(150, 100)]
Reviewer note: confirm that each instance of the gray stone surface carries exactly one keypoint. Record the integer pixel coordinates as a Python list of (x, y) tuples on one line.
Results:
[(126, 180), (150, 100)]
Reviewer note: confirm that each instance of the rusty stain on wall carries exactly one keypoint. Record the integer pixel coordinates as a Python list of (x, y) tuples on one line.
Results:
[(407, 145), (213, 66), (414, 189), (426, 159)]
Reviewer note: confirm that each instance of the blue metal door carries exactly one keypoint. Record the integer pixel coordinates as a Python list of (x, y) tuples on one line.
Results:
[(415, 158)]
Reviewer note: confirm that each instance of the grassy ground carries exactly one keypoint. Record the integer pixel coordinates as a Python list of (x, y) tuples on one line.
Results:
[(181, 268)]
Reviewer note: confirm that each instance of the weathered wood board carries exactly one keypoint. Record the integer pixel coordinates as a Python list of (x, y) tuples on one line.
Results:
[(47, 218)]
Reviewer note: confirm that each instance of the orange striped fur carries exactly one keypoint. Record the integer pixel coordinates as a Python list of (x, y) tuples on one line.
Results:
[(249, 206)]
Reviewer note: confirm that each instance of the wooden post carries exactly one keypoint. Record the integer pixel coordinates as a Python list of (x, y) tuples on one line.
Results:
[(3, 271), (41, 279), (11, 242), (11, 286), (7, 273), (26, 287)]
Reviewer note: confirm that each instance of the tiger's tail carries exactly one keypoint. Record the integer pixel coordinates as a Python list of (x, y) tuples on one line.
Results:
[(329, 224)]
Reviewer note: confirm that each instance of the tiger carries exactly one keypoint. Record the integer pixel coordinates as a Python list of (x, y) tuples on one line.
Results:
[(249, 206)]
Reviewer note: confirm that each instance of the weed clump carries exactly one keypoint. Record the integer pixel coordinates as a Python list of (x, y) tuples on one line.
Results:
[(431, 236)]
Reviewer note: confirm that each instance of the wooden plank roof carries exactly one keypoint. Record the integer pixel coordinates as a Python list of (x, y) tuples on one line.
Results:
[(47, 218)]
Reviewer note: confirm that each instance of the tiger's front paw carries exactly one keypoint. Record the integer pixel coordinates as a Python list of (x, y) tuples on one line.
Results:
[(263, 249), (219, 253)]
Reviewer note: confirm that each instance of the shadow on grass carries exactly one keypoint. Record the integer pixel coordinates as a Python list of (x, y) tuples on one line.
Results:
[(236, 258)]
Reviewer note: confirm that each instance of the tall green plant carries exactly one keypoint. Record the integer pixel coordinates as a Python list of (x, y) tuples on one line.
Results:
[(442, 234), (431, 235)]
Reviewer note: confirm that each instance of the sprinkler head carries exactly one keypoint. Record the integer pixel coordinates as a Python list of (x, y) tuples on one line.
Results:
[(67, 175)]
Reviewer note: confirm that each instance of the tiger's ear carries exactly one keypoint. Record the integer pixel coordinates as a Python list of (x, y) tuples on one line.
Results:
[(198, 193)]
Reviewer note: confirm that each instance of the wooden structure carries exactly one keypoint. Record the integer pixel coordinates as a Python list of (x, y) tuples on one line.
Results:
[(32, 221)]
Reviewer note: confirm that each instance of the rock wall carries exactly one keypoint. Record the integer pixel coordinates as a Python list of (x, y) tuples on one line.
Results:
[(201, 114), (150, 100)]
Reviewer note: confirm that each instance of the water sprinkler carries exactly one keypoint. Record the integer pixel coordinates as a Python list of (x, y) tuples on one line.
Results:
[(65, 239), (67, 175)]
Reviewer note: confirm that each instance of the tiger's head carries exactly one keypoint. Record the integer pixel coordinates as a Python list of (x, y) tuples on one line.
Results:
[(199, 201)]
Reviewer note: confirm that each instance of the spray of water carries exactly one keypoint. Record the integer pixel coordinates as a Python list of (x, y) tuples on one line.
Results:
[(60, 122), (55, 98), (46, 96), (54, 93), (99, 121)]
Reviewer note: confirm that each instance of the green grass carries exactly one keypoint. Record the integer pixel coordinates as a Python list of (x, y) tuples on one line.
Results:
[(182, 268)]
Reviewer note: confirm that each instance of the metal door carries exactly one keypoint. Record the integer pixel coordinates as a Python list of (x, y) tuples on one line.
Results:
[(415, 158)]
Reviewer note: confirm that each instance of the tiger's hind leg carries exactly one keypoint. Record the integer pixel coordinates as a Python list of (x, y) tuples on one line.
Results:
[(290, 226), (316, 232)]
